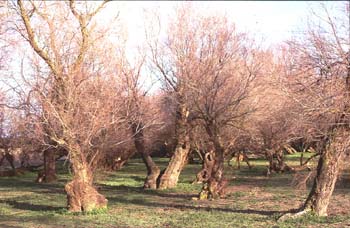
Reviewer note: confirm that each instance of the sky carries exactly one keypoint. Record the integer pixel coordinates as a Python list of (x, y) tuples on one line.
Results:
[(270, 21), (274, 21)]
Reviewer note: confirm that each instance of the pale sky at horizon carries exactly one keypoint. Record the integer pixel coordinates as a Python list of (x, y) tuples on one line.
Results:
[(270, 22), (274, 20)]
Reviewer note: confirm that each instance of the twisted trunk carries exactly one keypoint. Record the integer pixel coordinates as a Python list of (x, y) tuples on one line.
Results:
[(81, 194), (216, 184), (327, 173), (152, 172), (326, 176), (171, 174), (278, 165), (207, 166), (152, 169)]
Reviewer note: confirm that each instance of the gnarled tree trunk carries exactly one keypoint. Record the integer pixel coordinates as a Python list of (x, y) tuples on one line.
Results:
[(171, 174), (277, 165), (152, 172), (208, 164), (327, 173), (81, 194), (152, 169), (216, 184), (326, 176)]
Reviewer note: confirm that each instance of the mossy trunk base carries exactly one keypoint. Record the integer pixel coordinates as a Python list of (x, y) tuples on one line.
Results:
[(83, 197)]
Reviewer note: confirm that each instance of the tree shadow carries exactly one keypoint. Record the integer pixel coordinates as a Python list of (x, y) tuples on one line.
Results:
[(119, 191), (137, 178), (30, 207), (9, 226), (31, 185), (123, 189), (146, 203), (41, 220)]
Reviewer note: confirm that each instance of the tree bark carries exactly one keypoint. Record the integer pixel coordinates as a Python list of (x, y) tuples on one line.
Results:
[(49, 166), (269, 158), (278, 165), (171, 174), (207, 166), (10, 159), (152, 169), (152, 172), (216, 184), (81, 194), (327, 173), (326, 176)]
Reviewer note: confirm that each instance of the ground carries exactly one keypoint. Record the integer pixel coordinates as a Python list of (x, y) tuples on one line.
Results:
[(253, 200)]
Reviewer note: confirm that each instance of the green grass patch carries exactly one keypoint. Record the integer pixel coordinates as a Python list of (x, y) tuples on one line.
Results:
[(254, 200)]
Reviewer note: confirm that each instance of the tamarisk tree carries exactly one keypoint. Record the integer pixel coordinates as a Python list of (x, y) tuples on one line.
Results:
[(77, 98), (171, 61), (223, 62), (319, 79)]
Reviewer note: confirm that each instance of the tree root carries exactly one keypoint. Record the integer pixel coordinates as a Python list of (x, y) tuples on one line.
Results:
[(293, 215)]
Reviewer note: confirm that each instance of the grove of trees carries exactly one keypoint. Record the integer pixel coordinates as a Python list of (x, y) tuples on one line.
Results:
[(199, 87)]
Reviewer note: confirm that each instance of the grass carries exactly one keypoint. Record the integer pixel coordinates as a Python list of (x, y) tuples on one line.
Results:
[(253, 201)]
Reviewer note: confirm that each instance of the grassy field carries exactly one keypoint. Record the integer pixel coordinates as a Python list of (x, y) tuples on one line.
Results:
[(253, 201)]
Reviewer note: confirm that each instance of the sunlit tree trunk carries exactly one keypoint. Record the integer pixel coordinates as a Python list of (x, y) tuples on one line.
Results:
[(327, 173), (326, 177), (61, 104), (152, 169), (178, 160), (81, 194), (215, 186)]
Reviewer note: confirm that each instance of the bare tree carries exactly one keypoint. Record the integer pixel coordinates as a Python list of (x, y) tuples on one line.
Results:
[(209, 67), (225, 68), (73, 89), (276, 129), (170, 60), (319, 70), (141, 115)]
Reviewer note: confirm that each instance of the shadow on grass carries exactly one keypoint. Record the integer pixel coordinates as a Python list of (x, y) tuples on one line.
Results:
[(137, 178), (42, 220), (10, 226), (30, 207), (123, 190), (144, 202), (30, 185)]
